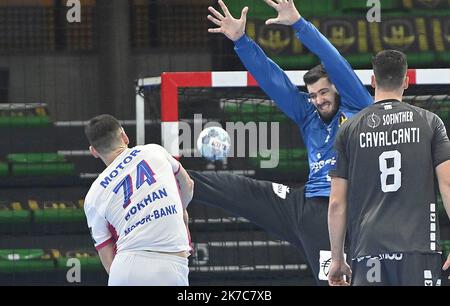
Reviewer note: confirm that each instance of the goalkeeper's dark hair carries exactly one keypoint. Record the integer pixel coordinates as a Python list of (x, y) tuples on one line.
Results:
[(103, 133), (315, 74)]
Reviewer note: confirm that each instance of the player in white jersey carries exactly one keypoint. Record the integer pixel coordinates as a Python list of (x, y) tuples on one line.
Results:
[(142, 196)]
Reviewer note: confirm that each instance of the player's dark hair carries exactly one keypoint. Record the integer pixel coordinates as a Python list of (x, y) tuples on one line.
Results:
[(389, 67), (315, 74), (102, 133)]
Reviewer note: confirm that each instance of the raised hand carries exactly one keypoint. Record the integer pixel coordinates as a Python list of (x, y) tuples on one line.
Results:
[(287, 13), (228, 25)]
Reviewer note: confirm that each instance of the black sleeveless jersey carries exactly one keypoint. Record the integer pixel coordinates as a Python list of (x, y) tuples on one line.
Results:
[(388, 153)]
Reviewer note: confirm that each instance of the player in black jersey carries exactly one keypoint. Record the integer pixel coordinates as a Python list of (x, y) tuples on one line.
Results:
[(383, 187)]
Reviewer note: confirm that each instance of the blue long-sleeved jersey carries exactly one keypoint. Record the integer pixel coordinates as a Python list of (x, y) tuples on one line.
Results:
[(318, 136)]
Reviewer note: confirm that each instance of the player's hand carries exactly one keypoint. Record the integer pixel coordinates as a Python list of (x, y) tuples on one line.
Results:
[(337, 272), (447, 264), (228, 25), (287, 13)]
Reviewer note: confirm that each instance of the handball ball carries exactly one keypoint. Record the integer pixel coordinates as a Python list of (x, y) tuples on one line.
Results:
[(214, 143)]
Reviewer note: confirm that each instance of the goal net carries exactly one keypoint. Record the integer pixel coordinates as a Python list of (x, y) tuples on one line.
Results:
[(174, 108)]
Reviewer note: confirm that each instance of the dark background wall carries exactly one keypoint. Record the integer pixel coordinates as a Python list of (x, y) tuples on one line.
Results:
[(81, 69), (79, 77)]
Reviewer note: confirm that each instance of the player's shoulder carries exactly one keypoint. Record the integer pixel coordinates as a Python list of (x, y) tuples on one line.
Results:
[(429, 117), (95, 191), (152, 147), (87, 206), (420, 110), (91, 197)]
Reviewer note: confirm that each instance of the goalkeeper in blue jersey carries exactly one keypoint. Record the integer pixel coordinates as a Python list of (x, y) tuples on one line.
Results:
[(335, 93)]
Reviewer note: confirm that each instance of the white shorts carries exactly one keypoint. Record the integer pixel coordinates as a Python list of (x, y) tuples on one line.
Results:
[(144, 268)]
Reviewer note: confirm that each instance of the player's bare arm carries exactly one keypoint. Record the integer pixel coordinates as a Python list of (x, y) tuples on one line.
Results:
[(228, 25), (287, 12), (443, 176), (185, 217), (106, 255), (186, 185), (337, 224)]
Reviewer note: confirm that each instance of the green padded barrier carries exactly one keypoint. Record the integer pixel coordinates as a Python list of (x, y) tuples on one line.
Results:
[(249, 111), (421, 59), (27, 121), (422, 52), (259, 9), (289, 160), (419, 7), (428, 5), (445, 247), (21, 254), (444, 115), (416, 13), (296, 62), (24, 260), (59, 215), (444, 104), (4, 171), (294, 154), (43, 169), (287, 155), (35, 158), (245, 118), (20, 266), (444, 57), (15, 216), (359, 60), (35, 260)]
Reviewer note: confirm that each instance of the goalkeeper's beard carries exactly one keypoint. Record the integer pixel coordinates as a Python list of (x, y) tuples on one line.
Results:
[(327, 116)]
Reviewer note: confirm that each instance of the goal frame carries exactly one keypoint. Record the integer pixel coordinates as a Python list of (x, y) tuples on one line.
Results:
[(170, 82)]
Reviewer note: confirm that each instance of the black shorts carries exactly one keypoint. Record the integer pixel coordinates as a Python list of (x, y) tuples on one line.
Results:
[(279, 210), (398, 269)]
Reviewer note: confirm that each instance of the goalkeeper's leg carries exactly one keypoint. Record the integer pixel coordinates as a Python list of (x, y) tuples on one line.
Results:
[(252, 199), (274, 207)]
